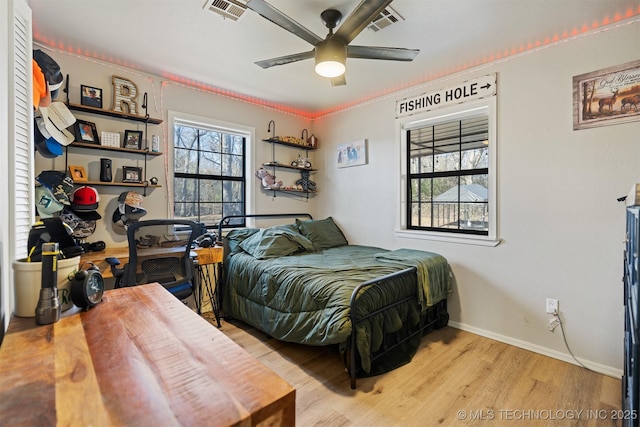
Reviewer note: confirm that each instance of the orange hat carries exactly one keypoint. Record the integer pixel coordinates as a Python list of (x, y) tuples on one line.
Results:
[(41, 95)]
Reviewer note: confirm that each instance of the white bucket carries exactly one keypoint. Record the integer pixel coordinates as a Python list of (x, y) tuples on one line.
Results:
[(27, 281)]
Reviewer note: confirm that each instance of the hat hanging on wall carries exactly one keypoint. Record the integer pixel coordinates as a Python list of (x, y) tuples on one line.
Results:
[(51, 71), (47, 204), (82, 228), (53, 122), (59, 183), (85, 199), (41, 94), (47, 147), (129, 210)]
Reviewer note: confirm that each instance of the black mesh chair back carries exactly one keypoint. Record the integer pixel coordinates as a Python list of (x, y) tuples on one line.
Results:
[(160, 251)]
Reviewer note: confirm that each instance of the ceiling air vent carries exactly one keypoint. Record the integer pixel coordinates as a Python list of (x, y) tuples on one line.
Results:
[(387, 17), (232, 9)]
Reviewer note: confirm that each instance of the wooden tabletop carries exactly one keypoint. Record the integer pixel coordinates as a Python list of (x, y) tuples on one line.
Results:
[(141, 357)]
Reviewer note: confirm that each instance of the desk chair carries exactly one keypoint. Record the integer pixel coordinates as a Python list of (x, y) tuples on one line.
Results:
[(159, 251)]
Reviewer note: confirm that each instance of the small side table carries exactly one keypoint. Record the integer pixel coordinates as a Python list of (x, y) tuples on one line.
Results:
[(207, 264)]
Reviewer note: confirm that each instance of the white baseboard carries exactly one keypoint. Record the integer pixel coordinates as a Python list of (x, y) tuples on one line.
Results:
[(594, 366)]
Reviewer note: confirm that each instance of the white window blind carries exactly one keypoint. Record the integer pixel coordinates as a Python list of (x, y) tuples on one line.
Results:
[(20, 126)]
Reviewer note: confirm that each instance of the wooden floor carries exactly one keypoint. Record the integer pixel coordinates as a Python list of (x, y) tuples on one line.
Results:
[(456, 379)]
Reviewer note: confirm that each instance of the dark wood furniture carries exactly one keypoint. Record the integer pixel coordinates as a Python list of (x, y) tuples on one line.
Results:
[(631, 377), (141, 357)]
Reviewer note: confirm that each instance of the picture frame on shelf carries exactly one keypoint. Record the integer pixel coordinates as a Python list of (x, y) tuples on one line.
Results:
[(133, 139), (91, 96), (131, 174), (78, 174), (85, 131)]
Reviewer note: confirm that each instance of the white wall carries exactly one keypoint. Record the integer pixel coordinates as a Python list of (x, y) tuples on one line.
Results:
[(561, 225), (164, 96)]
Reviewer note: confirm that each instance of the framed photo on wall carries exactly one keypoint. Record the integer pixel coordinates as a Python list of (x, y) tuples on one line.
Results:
[(90, 96), (352, 154), (133, 139), (607, 97)]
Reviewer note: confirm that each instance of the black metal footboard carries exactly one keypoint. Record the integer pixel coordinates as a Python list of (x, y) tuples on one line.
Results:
[(435, 317)]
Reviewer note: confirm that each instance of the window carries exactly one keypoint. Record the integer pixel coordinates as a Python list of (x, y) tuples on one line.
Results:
[(209, 179), (449, 168)]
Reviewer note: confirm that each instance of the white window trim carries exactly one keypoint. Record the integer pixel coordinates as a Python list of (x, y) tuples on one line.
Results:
[(200, 121), (425, 119)]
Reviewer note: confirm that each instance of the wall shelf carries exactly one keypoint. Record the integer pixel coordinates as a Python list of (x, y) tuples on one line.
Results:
[(110, 113), (116, 184), (120, 149), (281, 165), (290, 144), (306, 186)]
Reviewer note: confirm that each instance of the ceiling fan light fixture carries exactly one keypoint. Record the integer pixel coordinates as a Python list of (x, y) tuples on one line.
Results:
[(331, 57)]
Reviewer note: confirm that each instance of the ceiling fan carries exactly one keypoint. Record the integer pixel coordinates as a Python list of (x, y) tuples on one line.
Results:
[(331, 53)]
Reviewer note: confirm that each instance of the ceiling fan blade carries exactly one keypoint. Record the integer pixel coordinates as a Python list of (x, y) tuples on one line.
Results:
[(360, 18), (287, 59), (338, 81), (269, 12), (386, 53)]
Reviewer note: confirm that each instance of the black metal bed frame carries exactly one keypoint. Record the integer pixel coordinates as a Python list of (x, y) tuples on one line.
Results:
[(435, 317)]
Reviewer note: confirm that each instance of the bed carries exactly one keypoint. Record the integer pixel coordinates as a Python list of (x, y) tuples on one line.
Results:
[(302, 282)]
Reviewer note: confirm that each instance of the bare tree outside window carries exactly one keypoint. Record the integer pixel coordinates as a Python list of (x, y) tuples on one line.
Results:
[(209, 174)]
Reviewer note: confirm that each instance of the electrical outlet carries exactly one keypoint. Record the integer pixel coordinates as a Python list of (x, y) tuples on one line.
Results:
[(553, 323), (552, 306)]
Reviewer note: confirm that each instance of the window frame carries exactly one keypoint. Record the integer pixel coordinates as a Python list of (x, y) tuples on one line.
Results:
[(247, 132), (431, 118)]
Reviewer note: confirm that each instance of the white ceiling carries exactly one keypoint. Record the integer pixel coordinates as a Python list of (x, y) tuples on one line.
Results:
[(180, 38)]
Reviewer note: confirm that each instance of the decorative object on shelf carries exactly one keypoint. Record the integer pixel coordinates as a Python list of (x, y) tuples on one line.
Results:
[(77, 173), (305, 184), (133, 139), (90, 96), (86, 132), (606, 97), (110, 139), (352, 154), (301, 162), (106, 171), (125, 93), (312, 141), (153, 180), (268, 181), (155, 143), (131, 174)]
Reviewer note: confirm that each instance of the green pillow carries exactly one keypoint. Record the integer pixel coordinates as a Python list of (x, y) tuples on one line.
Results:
[(323, 233), (276, 242), (237, 236)]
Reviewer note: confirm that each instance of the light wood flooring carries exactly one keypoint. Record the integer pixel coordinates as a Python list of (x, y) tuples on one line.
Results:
[(456, 379)]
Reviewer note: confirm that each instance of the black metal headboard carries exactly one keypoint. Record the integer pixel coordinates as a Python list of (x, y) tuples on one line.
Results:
[(225, 220)]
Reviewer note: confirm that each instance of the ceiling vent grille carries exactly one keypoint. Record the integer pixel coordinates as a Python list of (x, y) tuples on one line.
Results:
[(387, 17), (231, 9)]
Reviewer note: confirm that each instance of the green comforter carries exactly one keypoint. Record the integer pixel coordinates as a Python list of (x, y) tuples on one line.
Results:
[(304, 298)]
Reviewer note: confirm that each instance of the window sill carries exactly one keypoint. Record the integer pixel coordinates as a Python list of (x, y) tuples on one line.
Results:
[(451, 238)]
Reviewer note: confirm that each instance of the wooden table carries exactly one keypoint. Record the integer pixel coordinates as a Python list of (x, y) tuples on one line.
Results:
[(140, 358)]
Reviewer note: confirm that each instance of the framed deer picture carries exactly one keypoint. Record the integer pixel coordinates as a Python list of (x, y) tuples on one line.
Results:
[(607, 97)]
